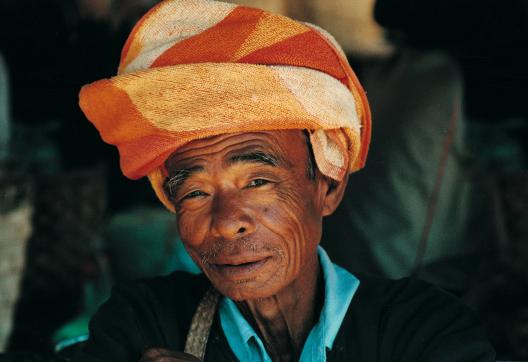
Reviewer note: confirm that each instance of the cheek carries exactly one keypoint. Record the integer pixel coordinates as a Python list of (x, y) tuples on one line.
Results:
[(297, 221), (192, 227), (192, 231)]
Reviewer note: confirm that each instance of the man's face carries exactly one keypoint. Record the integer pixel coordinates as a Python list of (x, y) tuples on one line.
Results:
[(248, 211)]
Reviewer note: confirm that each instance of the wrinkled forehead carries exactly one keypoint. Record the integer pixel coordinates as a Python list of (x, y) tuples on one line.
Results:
[(280, 144)]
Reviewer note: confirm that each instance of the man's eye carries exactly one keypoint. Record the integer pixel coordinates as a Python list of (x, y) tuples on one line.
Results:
[(257, 182), (194, 194)]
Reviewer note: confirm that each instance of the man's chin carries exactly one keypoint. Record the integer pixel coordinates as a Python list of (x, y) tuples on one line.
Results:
[(255, 280), (245, 291)]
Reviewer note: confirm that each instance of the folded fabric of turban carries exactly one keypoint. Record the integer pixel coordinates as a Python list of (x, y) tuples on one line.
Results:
[(193, 69)]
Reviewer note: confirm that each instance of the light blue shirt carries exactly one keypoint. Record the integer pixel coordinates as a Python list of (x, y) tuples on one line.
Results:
[(340, 287)]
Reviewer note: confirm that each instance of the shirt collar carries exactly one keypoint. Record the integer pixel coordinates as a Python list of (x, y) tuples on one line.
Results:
[(340, 286)]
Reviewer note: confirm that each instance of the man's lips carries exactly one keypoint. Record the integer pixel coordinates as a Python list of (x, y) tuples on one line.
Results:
[(240, 267), (235, 260)]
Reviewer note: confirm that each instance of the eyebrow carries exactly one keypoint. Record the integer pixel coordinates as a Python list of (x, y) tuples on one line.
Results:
[(176, 180), (255, 157)]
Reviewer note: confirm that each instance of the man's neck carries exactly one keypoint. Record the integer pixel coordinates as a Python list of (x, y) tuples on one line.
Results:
[(284, 320)]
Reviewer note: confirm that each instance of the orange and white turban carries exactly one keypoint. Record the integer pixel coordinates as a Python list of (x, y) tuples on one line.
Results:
[(193, 69)]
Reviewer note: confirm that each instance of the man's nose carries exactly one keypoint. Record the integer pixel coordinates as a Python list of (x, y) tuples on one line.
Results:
[(231, 217)]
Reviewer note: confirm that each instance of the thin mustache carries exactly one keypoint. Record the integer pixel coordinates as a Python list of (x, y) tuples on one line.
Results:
[(227, 247)]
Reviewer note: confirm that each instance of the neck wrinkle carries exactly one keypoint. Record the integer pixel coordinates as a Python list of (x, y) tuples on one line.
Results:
[(283, 321)]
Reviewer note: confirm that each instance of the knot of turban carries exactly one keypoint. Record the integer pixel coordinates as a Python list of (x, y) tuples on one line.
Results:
[(193, 69)]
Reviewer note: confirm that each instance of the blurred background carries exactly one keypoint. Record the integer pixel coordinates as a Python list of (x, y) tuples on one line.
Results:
[(444, 196)]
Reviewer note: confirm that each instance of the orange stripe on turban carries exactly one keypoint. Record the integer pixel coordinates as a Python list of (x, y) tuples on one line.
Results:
[(193, 69)]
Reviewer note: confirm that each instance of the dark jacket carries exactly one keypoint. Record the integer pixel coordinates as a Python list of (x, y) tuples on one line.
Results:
[(404, 320)]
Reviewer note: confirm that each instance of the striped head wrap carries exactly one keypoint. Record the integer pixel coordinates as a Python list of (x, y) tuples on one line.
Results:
[(193, 69)]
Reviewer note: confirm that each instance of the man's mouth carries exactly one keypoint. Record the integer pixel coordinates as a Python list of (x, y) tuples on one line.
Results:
[(240, 267)]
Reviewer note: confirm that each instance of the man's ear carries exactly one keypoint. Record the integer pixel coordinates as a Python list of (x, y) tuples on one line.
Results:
[(334, 194)]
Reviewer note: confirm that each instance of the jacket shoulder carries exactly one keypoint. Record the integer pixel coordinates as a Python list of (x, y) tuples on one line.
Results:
[(146, 313), (408, 320)]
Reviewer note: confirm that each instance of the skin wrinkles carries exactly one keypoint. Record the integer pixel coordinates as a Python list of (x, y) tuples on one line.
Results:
[(188, 151), (178, 177), (215, 251), (296, 202), (296, 230), (261, 157), (251, 201)]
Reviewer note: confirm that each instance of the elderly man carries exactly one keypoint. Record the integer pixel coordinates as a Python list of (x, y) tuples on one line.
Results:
[(247, 125)]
